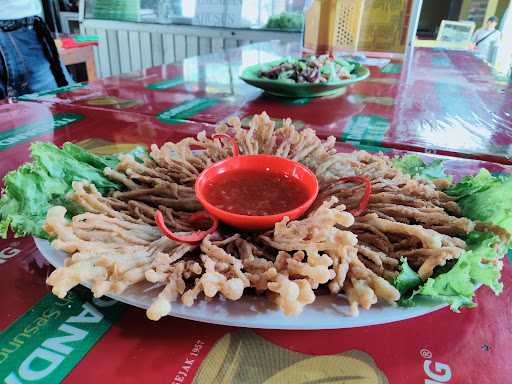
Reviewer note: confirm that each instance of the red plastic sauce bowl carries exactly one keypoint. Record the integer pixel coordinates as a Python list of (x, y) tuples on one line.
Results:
[(276, 165)]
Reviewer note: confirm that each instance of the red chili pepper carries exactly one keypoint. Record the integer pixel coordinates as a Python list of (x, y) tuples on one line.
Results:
[(195, 237), (197, 216), (236, 150), (367, 192)]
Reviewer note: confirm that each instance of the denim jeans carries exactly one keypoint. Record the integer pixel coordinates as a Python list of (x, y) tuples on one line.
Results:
[(28, 69)]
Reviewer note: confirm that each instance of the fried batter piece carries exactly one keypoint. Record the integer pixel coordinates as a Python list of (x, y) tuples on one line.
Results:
[(115, 244), (112, 254), (403, 213)]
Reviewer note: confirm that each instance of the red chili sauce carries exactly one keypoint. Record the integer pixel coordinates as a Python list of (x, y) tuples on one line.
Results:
[(255, 193)]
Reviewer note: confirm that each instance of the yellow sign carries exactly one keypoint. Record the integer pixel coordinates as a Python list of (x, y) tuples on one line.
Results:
[(385, 25), (363, 25)]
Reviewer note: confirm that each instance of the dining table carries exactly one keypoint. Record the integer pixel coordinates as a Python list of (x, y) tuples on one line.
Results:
[(436, 103)]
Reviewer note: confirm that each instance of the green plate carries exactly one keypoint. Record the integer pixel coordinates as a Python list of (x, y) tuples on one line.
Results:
[(291, 89)]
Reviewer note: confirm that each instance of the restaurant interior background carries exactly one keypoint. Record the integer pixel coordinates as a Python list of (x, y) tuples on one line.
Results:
[(137, 34)]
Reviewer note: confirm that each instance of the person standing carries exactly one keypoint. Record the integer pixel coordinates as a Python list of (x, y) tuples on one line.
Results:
[(486, 39), (29, 59)]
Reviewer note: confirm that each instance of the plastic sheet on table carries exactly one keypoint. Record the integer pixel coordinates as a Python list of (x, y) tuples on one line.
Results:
[(171, 97), (461, 111), (60, 123)]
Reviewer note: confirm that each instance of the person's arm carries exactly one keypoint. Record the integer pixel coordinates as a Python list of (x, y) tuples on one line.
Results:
[(474, 39), (476, 36)]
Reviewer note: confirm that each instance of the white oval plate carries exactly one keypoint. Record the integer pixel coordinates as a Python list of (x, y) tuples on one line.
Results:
[(327, 312)]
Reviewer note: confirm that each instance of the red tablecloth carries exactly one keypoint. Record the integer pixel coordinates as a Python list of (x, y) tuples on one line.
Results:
[(448, 103), (22, 123)]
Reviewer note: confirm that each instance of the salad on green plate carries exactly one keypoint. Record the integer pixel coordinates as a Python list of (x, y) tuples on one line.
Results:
[(313, 76)]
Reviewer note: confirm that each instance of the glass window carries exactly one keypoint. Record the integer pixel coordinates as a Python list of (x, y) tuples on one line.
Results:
[(271, 14)]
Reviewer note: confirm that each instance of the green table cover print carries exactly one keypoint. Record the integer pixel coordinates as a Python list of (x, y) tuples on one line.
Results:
[(49, 340), (179, 113), (366, 129), (27, 132), (392, 68), (165, 84), (52, 92)]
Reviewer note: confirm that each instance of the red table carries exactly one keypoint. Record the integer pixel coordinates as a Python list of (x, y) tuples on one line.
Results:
[(448, 103), (418, 113), (22, 123)]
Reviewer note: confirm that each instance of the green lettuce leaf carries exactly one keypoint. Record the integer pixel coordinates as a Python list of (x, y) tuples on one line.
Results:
[(486, 198), (80, 154), (4, 227), (453, 287), (472, 184), (26, 199), (33, 188), (415, 166), (100, 162), (482, 197), (62, 166), (406, 281), (480, 264), (486, 264)]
